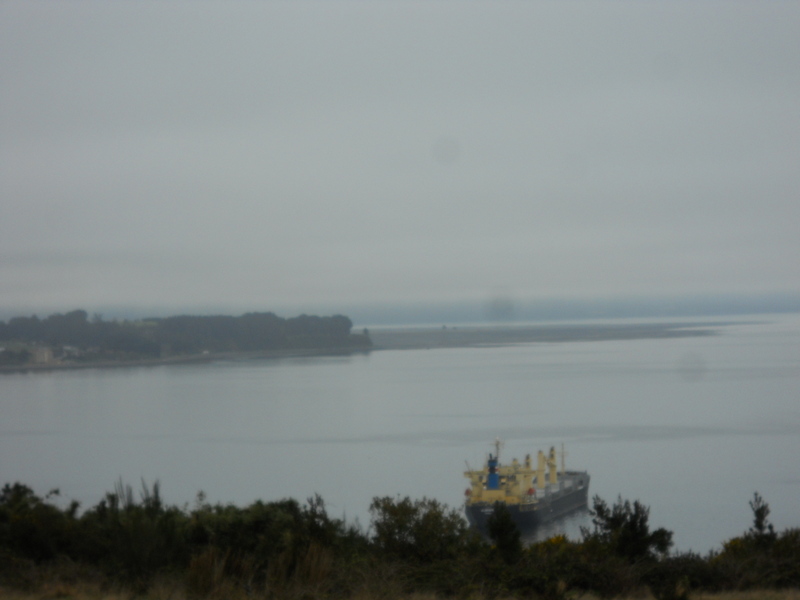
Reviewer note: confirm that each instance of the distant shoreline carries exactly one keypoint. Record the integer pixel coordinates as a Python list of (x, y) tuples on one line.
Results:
[(499, 335), (419, 339), (185, 359)]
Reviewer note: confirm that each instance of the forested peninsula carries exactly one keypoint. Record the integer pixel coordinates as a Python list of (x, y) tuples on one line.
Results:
[(73, 339)]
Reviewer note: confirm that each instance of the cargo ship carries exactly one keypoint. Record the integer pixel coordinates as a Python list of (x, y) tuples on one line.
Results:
[(533, 496)]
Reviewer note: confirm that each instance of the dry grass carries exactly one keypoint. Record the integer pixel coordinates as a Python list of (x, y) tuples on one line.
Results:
[(64, 591), (754, 595), (171, 590), (751, 595)]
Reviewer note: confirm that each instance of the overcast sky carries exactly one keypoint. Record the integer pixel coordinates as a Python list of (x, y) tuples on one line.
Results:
[(291, 154)]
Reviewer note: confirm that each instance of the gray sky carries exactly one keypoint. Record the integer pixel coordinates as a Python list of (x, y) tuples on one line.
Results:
[(266, 154)]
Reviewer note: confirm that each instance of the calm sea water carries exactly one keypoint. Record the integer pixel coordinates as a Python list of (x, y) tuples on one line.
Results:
[(689, 426)]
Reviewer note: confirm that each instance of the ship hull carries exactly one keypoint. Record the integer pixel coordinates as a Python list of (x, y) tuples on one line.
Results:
[(528, 518)]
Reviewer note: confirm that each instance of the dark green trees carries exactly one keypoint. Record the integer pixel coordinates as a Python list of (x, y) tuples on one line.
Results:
[(419, 530), (73, 337), (624, 529), (32, 527), (285, 549), (504, 534)]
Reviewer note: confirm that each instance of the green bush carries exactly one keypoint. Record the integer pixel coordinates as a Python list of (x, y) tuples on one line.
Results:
[(504, 534), (286, 549), (421, 530), (134, 541), (623, 529), (32, 528)]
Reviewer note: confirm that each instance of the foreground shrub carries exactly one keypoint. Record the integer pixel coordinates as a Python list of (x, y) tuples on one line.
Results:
[(624, 530), (133, 540), (283, 549), (673, 577), (761, 557), (31, 527), (504, 534), (421, 530)]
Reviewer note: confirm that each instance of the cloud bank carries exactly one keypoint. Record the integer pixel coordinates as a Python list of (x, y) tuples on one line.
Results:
[(253, 155)]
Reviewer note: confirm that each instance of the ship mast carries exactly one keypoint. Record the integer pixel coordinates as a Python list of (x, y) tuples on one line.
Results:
[(498, 443)]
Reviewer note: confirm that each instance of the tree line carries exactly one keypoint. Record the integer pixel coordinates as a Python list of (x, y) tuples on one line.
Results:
[(284, 549), (74, 336)]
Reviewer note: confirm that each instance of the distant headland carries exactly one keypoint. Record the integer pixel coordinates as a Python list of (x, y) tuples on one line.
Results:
[(73, 340)]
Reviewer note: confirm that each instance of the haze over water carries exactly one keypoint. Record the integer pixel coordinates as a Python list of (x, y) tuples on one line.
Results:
[(690, 426)]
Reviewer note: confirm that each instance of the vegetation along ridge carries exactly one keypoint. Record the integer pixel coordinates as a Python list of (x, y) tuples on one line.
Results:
[(131, 545)]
